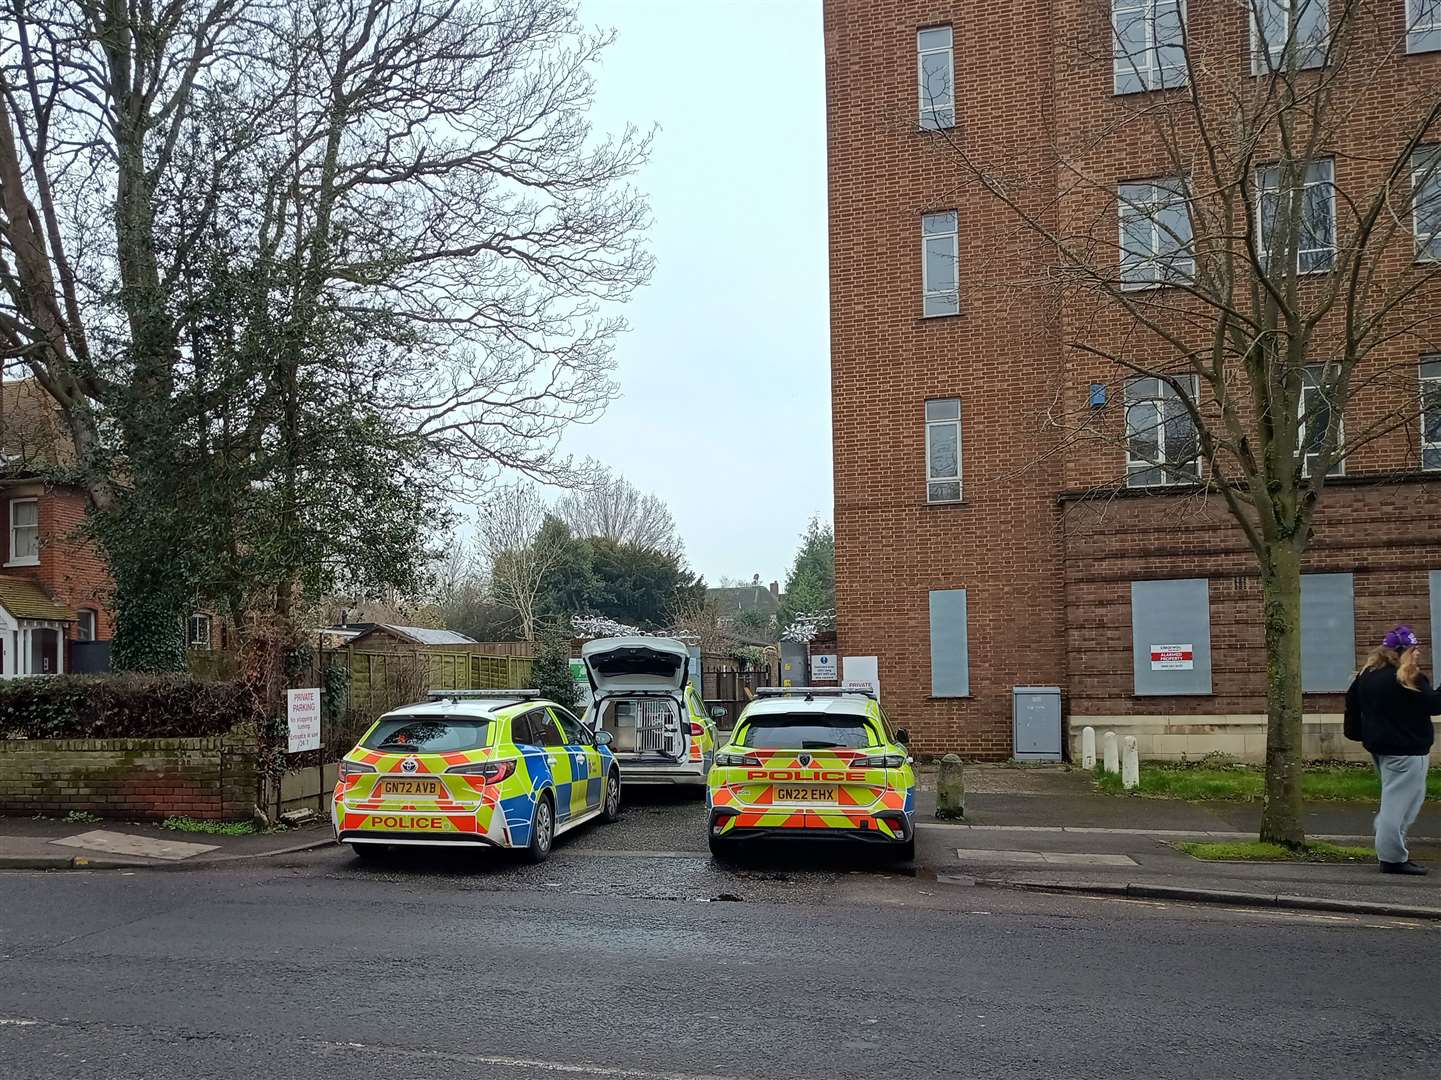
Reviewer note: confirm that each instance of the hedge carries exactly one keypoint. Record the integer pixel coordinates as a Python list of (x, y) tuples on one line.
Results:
[(122, 707)]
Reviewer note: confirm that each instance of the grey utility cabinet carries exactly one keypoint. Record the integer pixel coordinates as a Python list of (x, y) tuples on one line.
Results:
[(1036, 723)]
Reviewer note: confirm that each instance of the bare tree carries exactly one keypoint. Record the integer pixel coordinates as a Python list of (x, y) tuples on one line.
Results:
[(1262, 306), (518, 552), (610, 506), (222, 219)]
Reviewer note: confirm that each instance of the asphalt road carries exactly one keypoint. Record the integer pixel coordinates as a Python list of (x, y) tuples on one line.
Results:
[(661, 965)]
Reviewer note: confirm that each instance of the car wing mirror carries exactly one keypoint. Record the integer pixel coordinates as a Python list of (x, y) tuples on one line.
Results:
[(604, 738), (903, 736)]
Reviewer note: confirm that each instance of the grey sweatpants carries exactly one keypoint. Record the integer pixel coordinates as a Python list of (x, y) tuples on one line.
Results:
[(1403, 790)]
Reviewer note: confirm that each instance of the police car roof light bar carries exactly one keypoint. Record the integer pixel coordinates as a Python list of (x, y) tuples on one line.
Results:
[(815, 691), (464, 695)]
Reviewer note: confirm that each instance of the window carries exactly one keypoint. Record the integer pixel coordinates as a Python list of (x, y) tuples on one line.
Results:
[(1328, 632), (1312, 205), (24, 532), (1315, 413), (938, 265), (806, 731), (543, 729), (950, 651), (1431, 416), (1288, 32), (1156, 242), (1423, 25), (198, 632), (936, 73), (1161, 442), (1149, 40), (1171, 637), (943, 451), (1426, 202), (429, 734), (85, 627), (574, 732)]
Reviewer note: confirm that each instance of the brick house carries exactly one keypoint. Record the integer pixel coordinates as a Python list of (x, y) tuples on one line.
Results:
[(54, 587), (972, 556)]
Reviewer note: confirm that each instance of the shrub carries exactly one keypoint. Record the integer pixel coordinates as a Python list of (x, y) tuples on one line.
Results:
[(551, 673), (122, 706)]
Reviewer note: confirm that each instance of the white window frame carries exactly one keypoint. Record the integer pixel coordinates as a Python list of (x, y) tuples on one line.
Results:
[(1153, 76), (1311, 379), (1266, 58), (1430, 379), (1171, 475), (1164, 191), (1328, 166), (1426, 169), (951, 297), (89, 620), (931, 425), (1423, 26), (934, 117), (29, 560), (193, 640)]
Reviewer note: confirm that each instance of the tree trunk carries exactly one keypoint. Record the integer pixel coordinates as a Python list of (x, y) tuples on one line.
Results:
[(1281, 597)]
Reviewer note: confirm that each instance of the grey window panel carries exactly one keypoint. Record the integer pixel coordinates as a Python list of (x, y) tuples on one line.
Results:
[(1435, 621), (1328, 632), (950, 660), (1171, 613)]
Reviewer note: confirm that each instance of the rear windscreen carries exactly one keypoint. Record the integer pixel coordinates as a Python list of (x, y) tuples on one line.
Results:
[(428, 734), (806, 731), (620, 662)]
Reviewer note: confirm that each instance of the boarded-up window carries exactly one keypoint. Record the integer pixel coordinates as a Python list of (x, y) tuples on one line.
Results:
[(950, 659), (1171, 637), (1435, 620), (1328, 632)]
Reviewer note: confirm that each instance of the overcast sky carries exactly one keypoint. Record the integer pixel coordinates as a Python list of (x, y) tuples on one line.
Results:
[(725, 374)]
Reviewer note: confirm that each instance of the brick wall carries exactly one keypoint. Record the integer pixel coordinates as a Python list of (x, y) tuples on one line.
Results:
[(130, 779), (1047, 577), (71, 569)]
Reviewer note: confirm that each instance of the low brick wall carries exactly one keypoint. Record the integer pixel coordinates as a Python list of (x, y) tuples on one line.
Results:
[(132, 779), (1190, 738)]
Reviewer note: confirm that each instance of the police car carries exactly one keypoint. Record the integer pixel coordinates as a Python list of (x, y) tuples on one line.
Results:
[(813, 764), (474, 768)]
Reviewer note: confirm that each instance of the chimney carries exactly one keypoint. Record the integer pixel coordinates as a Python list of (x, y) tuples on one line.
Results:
[(776, 589)]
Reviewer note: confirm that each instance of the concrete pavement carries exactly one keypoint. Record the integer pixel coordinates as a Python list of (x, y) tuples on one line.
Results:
[(55, 844)]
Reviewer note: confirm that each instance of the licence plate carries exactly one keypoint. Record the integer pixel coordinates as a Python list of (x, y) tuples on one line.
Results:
[(808, 793), (410, 787)]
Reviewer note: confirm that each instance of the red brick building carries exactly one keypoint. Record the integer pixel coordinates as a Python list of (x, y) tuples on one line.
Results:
[(54, 588), (979, 548)]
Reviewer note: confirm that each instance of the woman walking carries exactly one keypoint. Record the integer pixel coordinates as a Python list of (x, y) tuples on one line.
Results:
[(1395, 703)]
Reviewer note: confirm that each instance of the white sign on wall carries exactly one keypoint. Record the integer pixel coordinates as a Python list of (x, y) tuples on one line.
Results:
[(823, 666), (1173, 657), (861, 673), (302, 715)]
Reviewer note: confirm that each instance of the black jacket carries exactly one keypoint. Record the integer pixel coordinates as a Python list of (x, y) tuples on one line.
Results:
[(1394, 719)]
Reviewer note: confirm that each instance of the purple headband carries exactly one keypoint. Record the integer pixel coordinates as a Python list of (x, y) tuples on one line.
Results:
[(1401, 639)]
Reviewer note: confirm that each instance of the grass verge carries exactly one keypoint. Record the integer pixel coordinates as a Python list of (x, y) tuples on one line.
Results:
[(211, 828), (1256, 851), (1238, 783)]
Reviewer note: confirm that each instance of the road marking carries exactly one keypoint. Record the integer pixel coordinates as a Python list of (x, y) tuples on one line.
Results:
[(635, 854), (1093, 831), (15, 1021), (1027, 858)]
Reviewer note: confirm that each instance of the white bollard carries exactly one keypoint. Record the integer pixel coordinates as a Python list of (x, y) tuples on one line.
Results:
[(1130, 765), (1088, 748), (1110, 753)]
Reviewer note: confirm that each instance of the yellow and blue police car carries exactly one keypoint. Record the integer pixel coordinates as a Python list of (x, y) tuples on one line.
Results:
[(814, 764), (474, 768)]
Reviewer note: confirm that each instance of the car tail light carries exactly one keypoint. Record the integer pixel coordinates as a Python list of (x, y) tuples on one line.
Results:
[(490, 772), (879, 761), (349, 770), (696, 731), (749, 760)]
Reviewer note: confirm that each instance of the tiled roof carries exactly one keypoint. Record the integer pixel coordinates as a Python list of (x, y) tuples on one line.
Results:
[(32, 432), (23, 599)]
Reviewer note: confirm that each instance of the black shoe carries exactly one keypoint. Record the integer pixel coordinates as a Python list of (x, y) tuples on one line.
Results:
[(1409, 868)]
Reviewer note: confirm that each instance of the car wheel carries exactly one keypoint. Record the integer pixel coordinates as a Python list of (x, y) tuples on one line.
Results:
[(610, 806), (542, 830)]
